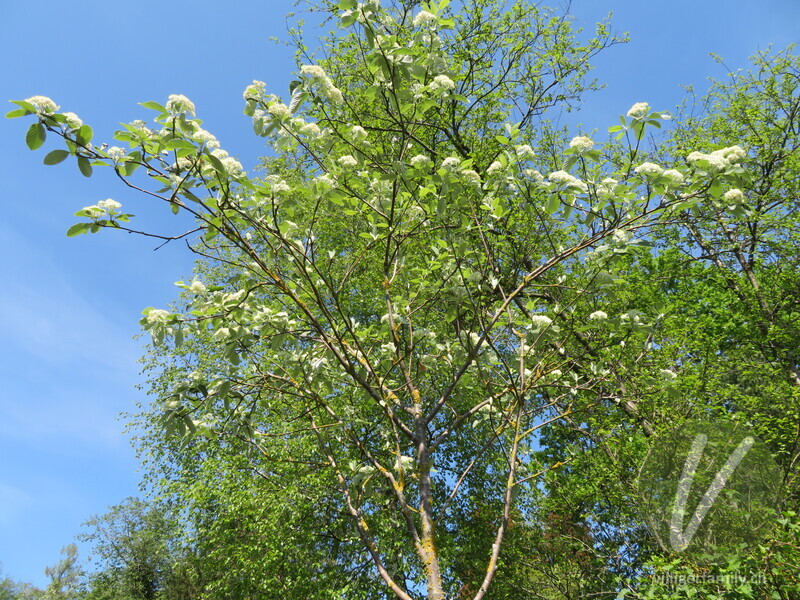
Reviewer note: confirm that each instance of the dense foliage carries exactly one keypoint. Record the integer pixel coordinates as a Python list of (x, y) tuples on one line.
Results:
[(409, 364)]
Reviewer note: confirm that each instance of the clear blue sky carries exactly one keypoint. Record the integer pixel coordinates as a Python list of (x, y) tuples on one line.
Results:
[(70, 307)]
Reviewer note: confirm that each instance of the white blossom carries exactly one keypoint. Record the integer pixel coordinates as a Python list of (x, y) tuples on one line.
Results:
[(620, 236), (639, 110), (255, 90), (607, 186), (424, 19), (717, 160), (205, 137), (232, 166), (649, 169), (535, 175), (582, 143), (311, 130), (321, 79), (421, 161), (471, 176), (358, 133), (116, 153), (734, 196), (524, 151), (734, 154), (109, 204), (451, 162), (442, 82), (141, 126), (43, 104), (494, 167), (667, 374), (565, 178), (178, 104), (348, 161), (197, 287), (598, 315), (157, 315), (73, 120), (540, 321), (674, 176), (279, 110), (327, 181)]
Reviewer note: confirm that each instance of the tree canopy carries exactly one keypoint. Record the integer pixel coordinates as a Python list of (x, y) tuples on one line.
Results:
[(424, 352)]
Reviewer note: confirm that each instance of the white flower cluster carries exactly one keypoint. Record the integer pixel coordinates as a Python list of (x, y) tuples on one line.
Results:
[(348, 162), (109, 204), (255, 90), (141, 126), (73, 121), (674, 176), (102, 208), (667, 374), (471, 176), (620, 236), (441, 82), (206, 138), (157, 316), (451, 163), (639, 110), (718, 160), (524, 152), (424, 19), (279, 110), (197, 287), (116, 153), (358, 134), (178, 104), (582, 143), (598, 315), (232, 166), (421, 161), (494, 167), (564, 178), (318, 76), (43, 104), (326, 181), (540, 321), (607, 186), (534, 175), (649, 169), (734, 196), (310, 130)]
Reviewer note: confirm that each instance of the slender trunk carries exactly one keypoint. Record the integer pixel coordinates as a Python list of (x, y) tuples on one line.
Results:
[(427, 550)]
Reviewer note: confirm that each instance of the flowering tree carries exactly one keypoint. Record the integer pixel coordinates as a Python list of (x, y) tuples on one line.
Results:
[(407, 302)]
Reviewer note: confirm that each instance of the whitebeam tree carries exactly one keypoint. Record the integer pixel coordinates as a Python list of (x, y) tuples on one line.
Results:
[(409, 301)]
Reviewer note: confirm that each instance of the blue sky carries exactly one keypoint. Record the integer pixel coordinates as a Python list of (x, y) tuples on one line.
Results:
[(71, 306)]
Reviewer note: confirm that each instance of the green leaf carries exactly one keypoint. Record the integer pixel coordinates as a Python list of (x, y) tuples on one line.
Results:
[(78, 229), (153, 106), (35, 136), (216, 163), (20, 112), (84, 135), (85, 166), (55, 157)]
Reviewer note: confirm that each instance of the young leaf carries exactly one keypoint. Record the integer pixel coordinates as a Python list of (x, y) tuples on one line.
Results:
[(20, 112), (85, 166), (55, 157), (78, 229), (35, 136)]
